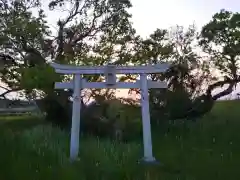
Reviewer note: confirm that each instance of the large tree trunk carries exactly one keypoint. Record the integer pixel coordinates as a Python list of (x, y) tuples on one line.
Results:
[(204, 104)]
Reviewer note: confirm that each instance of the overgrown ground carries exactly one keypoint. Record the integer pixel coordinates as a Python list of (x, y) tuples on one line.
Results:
[(206, 150)]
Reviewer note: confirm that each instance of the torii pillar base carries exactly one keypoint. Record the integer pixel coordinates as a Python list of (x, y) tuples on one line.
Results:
[(152, 161)]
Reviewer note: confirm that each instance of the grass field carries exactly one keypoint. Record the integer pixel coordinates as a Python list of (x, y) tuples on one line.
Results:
[(205, 150)]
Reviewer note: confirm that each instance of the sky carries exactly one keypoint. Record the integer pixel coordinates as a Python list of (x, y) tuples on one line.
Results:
[(148, 15), (151, 14)]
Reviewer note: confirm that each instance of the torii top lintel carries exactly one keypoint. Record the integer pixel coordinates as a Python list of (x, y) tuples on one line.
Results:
[(148, 69)]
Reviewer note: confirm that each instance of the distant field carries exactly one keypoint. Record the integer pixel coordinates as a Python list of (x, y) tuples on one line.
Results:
[(205, 150)]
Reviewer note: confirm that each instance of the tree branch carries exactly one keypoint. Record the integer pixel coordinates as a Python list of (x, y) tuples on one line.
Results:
[(231, 83), (30, 50), (7, 59), (8, 91), (88, 32), (62, 24), (4, 88)]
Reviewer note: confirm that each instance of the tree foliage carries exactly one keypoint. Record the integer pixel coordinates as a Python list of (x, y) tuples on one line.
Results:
[(220, 38), (98, 32)]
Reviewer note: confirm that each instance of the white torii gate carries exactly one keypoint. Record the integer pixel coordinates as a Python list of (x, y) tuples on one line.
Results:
[(110, 72)]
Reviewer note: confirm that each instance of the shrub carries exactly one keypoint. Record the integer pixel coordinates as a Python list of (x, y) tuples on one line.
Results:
[(109, 118), (112, 118), (57, 109), (125, 119), (169, 105)]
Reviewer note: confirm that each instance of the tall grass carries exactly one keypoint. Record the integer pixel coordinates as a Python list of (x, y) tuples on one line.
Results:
[(208, 149)]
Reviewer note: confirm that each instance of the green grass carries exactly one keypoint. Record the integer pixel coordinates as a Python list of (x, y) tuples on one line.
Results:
[(205, 150)]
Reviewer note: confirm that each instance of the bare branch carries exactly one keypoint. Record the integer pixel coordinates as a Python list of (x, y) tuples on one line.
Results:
[(9, 91), (7, 59), (62, 24), (4, 88), (73, 12), (231, 83), (90, 30)]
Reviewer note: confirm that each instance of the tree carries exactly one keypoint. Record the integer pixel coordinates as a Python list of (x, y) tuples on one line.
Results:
[(21, 37), (220, 38), (185, 77), (98, 32), (220, 42), (88, 35)]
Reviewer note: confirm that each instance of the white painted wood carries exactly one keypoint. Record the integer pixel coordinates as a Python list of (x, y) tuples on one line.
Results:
[(75, 129), (149, 69), (110, 75), (147, 139), (118, 85)]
